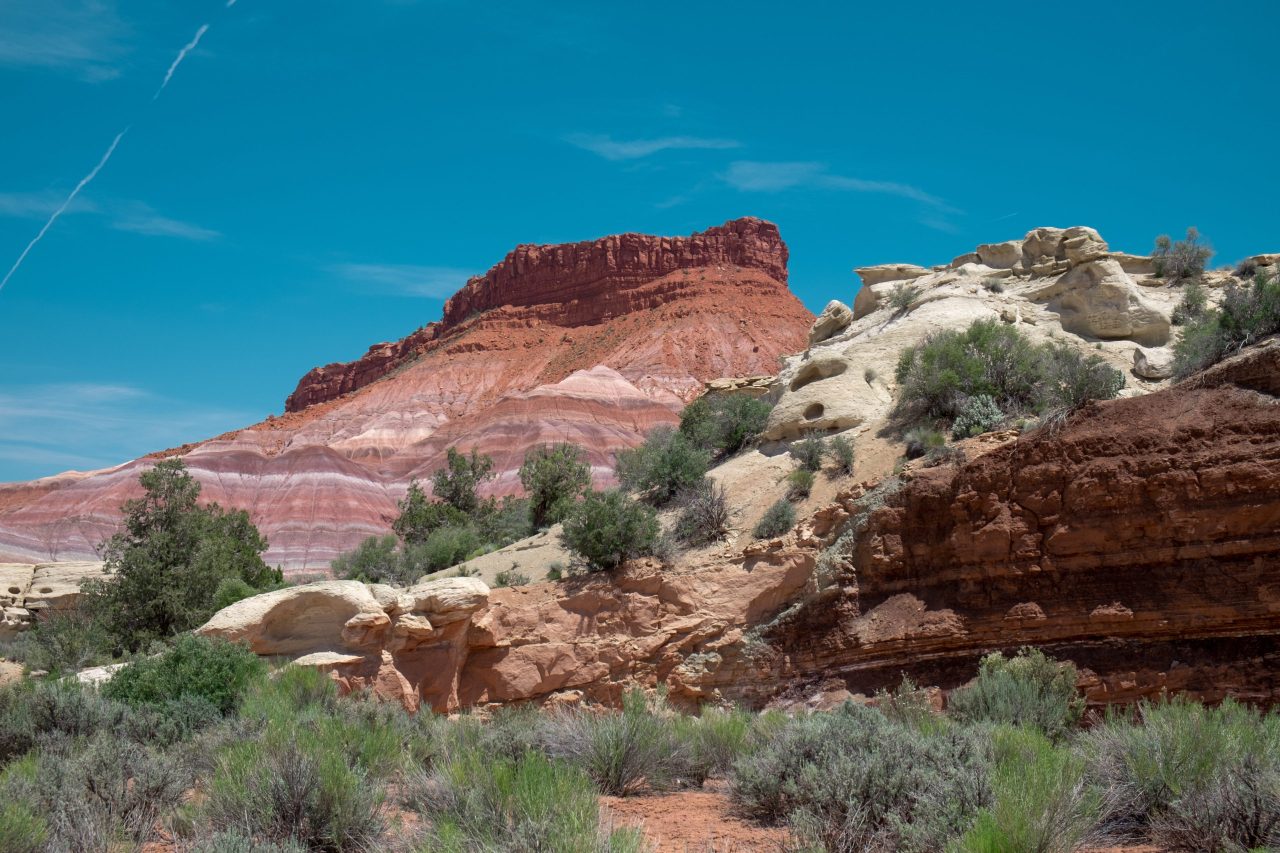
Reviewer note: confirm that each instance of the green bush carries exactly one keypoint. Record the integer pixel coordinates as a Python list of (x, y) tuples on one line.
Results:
[(1071, 379), (1180, 260), (777, 520), (724, 424), (908, 705), (418, 518), (1193, 305), (457, 482), (1043, 803), (170, 560), (235, 842), (554, 476), (854, 780), (1188, 776), (377, 559), (922, 440), (445, 547), (840, 452), (902, 295), (21, 829), (665, 465), (475, 802), (63, 641), (708, 745), (977, 415), (1247, 313), (510, 577), (1028, 689), (704, 514), (499, 523), (211, 669), (808, 453), (621, 752), (799, 484), (609, 528)]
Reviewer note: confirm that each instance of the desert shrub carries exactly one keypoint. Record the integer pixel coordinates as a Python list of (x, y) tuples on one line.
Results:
[(977, 415), (445, 547), (498, 523), (665, 465), (704, 514), (948, 368), (724, 424), (211, 669), (854, 780), (1181, 259), (1188, 776), (1192, 306), (279, 789), (711, 742), (1071, 379), (1042, 801), (921, 440), (231, 590), (22, 830), (907, 704), (555, 571), (841, 454), (608, 528), (457, 482), (478, 802), (799, 484), (376, 559), (419, 517), (1247, 313), (1028, 689), (808, 453), (63, 641), (32, 711), (666, 548), (169, 560), (993, 285), (621, 752), (93, 791), (510, 577), (554, 476), (235, 842), (777, 520), (902, 295)]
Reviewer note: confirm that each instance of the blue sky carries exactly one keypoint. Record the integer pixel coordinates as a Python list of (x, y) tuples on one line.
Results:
[(318, 175)]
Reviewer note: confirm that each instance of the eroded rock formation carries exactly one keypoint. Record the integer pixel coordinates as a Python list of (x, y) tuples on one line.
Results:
[(26, 589), (594, 343), (1141, 540)]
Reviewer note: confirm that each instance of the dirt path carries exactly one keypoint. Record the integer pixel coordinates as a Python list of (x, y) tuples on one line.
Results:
[(692, 822)]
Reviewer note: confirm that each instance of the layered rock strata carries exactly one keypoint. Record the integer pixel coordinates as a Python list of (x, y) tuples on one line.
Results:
[(594, 343)]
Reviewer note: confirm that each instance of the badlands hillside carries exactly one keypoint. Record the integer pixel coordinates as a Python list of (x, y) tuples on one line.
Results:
[(594, 343), (1137, 538)]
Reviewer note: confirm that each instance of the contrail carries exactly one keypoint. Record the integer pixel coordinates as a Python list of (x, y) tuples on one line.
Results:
[(54, 218), (182, 54)]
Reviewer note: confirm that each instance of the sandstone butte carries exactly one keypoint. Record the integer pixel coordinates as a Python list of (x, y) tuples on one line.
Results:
[(1141, 540), (594, 342)]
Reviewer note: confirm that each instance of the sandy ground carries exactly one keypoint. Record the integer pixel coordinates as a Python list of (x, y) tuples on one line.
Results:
[(691, 822), (9, 671)]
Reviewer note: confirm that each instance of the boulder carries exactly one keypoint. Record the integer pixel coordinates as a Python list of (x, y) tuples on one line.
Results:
[(1156, 363), (750, 386), (1098, 299), (1004, 255), (1081, 245), (881, 273), (446, 600), (297, 620), (1135, 264), (825, 394), (833, 320), (966, 258)]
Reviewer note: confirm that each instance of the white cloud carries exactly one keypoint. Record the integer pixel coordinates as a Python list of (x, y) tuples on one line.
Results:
[(407, 279), (757, 176), (39, 205), (152, 224), (85, 37), (615, 149)]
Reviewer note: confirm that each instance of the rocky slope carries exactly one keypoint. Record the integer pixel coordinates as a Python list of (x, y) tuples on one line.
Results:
[(594, 343), (1141, 541)]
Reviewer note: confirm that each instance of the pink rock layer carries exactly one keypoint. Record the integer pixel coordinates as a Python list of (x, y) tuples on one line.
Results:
[(594, 343)]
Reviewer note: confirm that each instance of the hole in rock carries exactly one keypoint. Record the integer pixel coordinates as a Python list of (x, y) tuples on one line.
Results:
[(13, 590), (817, 371), (813, 411), (45, 590)]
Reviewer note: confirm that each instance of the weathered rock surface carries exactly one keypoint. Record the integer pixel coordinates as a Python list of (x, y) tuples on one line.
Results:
[(1153, 363), (834, 318), (1055, 283), (594, 343), (26, 589)]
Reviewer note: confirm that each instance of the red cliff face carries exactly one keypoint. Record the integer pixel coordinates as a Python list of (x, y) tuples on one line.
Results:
[(594, 343), (570, 285)]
